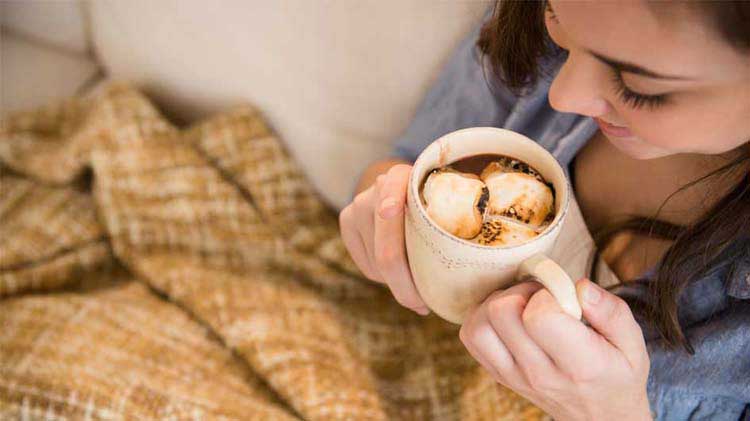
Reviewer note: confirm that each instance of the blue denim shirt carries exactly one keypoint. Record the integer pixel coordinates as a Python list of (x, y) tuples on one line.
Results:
[(715, 311)]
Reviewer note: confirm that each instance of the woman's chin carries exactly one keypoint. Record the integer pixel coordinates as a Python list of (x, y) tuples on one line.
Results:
[(637, 148)]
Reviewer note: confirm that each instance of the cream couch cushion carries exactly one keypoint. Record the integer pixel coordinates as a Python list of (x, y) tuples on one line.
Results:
[(59, 23), (337, 79), (32, 75)]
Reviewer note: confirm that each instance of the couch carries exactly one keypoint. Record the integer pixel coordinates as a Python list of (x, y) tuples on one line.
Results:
[(338, 80)]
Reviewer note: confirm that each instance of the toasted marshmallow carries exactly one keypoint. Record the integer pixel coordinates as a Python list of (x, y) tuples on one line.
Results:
[(517, 195), (506, 164), (452, 201), (501, 233)]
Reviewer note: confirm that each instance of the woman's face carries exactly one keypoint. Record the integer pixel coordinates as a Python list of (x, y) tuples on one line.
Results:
[(658, 78)]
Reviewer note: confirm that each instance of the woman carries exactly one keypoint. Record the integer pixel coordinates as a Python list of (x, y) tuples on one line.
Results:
[(647, 105)]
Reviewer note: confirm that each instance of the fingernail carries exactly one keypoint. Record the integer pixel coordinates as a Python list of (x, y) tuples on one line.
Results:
[(423, 311), (592, 293), (388, 208)]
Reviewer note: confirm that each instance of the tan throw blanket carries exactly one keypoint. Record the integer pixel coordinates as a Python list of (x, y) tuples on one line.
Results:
[(150, 272)]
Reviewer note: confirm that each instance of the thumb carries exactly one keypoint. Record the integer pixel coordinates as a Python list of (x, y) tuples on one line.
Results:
[(392, 191), (611, 317)]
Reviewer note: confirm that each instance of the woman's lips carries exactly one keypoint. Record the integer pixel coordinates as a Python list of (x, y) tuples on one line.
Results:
[(612, 130)]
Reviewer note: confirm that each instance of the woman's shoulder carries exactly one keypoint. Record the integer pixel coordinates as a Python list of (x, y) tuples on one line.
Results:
[(712, 382), (738, 279), (708, 296), (732, 271)]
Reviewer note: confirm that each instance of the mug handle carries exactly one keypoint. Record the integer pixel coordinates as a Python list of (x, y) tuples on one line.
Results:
[(554, 278)]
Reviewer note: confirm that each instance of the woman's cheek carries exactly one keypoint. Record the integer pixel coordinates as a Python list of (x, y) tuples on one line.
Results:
[(666, 129), (648, 125), (648, 140), (686, 124)]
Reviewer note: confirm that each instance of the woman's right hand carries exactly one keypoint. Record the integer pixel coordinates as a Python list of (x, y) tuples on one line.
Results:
[(372, 227)]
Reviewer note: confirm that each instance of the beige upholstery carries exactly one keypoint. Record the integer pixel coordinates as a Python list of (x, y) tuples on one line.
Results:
[(44, 52), (338, 79), (32, 75), (59, 23)]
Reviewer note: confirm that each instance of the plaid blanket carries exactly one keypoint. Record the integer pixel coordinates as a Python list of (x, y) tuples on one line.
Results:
[(149, 272)]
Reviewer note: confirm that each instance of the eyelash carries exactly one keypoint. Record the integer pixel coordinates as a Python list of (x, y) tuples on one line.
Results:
[(634, 99), (627, 96), (548, 9)]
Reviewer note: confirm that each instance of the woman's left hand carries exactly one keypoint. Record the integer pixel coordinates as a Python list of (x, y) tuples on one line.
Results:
[(526, 342)]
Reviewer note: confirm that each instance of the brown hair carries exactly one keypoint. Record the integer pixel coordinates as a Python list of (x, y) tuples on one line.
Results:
[(515, 41)]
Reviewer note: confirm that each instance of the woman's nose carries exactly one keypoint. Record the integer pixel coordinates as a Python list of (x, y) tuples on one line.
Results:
[(579, 87)]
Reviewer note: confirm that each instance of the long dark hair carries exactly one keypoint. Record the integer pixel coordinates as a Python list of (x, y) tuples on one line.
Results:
[(515, 40)]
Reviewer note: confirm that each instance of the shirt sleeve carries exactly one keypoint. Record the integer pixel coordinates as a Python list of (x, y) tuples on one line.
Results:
[(460, 98), (714, 382)]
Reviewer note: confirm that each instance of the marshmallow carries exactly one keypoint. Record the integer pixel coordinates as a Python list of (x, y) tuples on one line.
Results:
[(453, 201), (506, 205), (518, 195), (504, 232)]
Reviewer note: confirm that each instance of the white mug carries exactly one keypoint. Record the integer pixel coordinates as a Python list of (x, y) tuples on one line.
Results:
[(453, 274)]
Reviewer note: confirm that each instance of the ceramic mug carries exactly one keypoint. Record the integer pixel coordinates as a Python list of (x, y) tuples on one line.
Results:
[(452, 274)]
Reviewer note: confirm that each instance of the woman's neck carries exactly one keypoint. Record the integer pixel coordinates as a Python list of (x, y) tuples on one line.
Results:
[(649, 183), (611, 187), (693, 202)]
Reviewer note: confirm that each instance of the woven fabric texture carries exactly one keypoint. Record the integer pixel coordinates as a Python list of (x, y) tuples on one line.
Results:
[(151, 272)]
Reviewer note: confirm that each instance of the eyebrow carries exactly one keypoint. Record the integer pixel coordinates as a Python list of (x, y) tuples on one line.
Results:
[(624, 66)]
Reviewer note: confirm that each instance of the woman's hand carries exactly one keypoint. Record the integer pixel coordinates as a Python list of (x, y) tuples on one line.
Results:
[(372, 227), (571, 371)]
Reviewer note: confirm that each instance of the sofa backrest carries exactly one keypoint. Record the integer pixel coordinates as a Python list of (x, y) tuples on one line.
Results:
[(337, 79)]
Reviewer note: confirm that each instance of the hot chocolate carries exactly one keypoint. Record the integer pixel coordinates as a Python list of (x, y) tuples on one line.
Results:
[(489, 199)]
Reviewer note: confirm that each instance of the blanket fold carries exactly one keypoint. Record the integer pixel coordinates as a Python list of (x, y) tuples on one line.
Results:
[(152, 272)]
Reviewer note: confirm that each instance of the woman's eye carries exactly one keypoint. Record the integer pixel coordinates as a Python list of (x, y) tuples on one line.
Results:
[(550, 12), (634, 99), (626, 95)]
